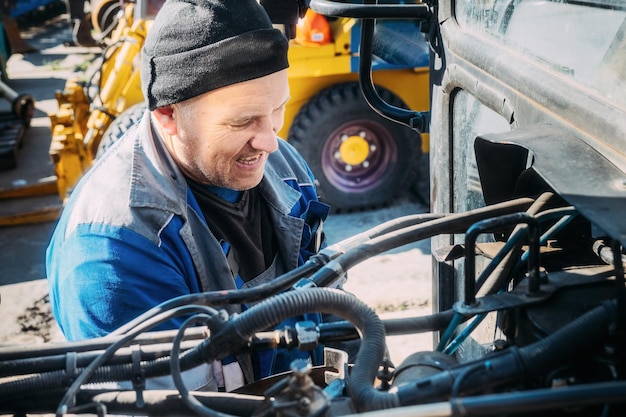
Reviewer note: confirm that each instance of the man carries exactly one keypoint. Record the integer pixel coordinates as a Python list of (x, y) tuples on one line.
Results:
[(201, 195)]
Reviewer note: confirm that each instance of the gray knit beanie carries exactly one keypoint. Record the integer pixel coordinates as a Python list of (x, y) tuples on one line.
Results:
[(195, 46)]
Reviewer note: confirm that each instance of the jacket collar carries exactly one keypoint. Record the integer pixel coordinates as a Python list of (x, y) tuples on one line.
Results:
[(156, 181)]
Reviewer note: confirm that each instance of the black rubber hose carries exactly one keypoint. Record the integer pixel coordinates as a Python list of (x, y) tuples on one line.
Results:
[(526, 402), (169, 403), (39, 383), (401, 223), (516, 364), (382, 243), (96, 371), (496, 280), (379, 230), (271, 312), (285, 281), (344, 330), (12, 353), (492, 225), (541, 399), (533, 360), (81, 360), (559, 348), (55, 380), (219, 298), (155, 402), (587, 331), (454, 223), (421, 324)]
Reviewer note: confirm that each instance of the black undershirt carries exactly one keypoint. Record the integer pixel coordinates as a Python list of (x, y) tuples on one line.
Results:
[(244, 224)]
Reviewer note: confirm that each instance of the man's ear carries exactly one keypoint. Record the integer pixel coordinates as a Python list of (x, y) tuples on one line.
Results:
[(165, 117)]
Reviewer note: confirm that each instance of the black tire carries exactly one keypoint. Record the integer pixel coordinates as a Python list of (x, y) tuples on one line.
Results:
[(120, 125), (105, 17), (360, 159)]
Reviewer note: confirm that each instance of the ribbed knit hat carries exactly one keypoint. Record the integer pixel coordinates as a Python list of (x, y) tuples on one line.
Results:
[(195, 46)]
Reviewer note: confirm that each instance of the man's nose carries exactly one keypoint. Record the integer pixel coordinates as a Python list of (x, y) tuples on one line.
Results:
[(265, 138)]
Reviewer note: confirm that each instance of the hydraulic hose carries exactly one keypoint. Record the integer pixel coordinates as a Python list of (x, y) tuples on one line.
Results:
[(95, 366), (124, 402), (389, 226), (421, 324), (516, 402), (343, 330), (81, 360), (587, 331), (168, 402), (285, 281), (56, 380), (53, 375), (453, 223), (271, 312), (541, 399), (97, 370), (13, 353), (218, 298), (241, 328), (489, 282), (516, 364), (495, 224)]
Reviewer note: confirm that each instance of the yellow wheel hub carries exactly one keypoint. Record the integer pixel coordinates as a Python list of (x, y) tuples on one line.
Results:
[(354, 150)]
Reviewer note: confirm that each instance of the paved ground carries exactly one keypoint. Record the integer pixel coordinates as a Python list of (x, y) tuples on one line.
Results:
[(396, 283), (23, 308), (39, 74)]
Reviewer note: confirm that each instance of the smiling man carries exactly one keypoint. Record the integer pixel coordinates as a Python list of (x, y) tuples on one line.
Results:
[(201, 195)]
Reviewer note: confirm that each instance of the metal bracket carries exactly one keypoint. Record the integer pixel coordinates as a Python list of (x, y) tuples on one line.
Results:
[(139, 378), (418, 121)]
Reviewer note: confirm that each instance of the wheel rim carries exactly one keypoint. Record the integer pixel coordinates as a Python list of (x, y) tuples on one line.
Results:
[(356, 155)]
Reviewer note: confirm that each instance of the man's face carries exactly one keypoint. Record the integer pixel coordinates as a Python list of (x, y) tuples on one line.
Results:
[(224, 137)]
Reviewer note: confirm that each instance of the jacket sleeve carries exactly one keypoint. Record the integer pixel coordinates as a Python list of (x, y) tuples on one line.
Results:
[(103, 276)]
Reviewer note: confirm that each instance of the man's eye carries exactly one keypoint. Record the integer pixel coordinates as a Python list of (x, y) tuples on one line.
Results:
[(238, 124)]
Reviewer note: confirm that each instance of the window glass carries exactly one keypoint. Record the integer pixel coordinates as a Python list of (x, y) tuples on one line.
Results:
[(584, 40)]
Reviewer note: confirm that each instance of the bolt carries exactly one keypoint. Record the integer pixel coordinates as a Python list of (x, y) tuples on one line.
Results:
[(300, 367)]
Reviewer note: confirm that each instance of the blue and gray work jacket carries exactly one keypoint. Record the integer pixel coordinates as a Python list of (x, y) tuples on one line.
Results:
[(132, 236)]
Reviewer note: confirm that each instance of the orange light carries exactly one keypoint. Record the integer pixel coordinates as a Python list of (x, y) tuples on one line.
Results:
[(313, 29)]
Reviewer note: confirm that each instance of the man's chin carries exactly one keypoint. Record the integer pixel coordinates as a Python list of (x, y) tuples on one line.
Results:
[(247, 185)]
